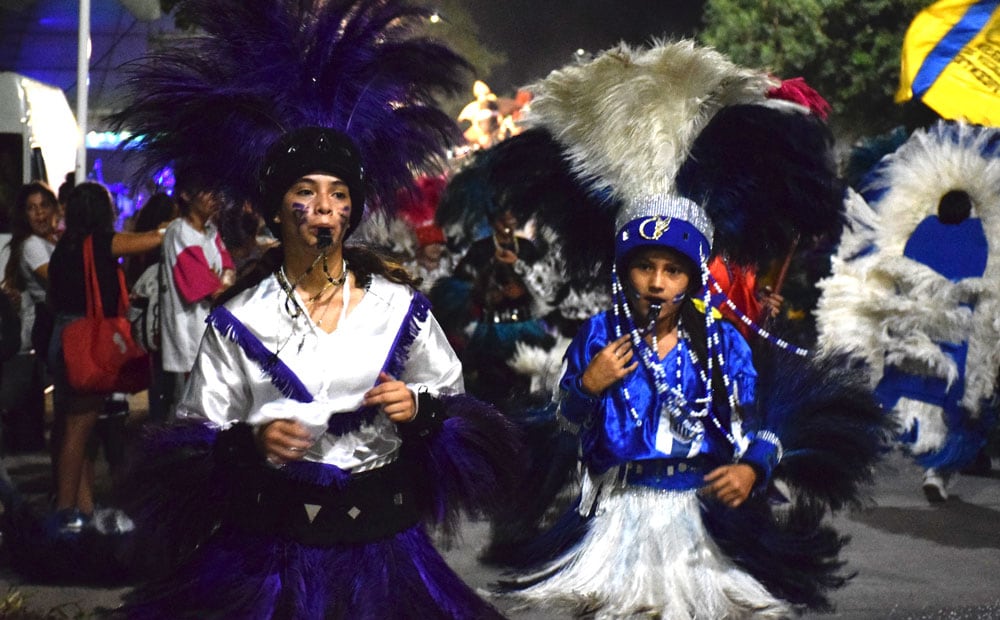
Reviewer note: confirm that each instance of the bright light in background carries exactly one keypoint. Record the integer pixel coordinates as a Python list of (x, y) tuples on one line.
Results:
[(52, 125), (105, 140), (435, 17)]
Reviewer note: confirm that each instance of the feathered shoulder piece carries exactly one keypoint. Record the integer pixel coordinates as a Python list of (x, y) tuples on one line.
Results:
[(212, 104)]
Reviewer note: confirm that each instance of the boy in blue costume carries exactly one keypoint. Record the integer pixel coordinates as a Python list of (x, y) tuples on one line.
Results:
[(681, 428)]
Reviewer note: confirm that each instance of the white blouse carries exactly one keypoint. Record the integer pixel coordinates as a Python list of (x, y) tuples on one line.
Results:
[(227, 386)]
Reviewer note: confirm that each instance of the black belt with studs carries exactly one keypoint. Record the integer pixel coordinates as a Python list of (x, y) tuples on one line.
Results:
[(373, 505)]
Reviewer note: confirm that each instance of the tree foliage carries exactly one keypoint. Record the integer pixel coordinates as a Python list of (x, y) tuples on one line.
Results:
[(456, 28), (847, 50)]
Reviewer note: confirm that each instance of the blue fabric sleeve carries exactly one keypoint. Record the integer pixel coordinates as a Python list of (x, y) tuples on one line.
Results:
[(764, 450), (577, 405), (763, 454)]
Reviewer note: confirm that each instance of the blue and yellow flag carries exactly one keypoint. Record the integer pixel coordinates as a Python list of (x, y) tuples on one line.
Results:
[(951, 60)]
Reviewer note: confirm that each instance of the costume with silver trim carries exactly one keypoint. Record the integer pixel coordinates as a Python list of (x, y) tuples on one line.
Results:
[(674, 146)]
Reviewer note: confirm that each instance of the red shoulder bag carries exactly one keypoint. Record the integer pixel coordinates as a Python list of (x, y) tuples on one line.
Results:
[(100, 354)]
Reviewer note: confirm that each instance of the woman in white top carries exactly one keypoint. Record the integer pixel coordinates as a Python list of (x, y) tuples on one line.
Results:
[(33, 238), (322, 422)]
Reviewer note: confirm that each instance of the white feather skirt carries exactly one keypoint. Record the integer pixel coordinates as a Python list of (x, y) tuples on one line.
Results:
[(647, 555)]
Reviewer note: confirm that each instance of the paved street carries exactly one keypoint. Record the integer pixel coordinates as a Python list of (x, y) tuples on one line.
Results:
[(913, 560)]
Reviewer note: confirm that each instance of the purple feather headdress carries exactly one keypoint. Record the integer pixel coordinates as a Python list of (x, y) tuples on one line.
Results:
[(211, 105)]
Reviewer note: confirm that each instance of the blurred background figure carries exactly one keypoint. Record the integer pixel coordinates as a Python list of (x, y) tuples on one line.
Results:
[(146, 281), (160, 208), (499, 310), (89, 212), (429, 259), (34, 232), (915, 292), (198, 268)]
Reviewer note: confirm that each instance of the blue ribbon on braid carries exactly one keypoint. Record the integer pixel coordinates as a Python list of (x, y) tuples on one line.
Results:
[(281, 376)]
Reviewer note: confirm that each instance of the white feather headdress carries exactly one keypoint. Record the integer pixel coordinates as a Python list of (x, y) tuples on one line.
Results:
[(633, 105)]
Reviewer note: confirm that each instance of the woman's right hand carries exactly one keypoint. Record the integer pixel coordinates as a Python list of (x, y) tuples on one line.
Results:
[(282, 441), (610, 365)]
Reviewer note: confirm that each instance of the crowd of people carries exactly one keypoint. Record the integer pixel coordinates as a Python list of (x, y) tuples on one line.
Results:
[(574, 332)]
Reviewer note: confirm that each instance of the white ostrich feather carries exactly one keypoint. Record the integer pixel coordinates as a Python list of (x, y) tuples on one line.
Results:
[(391, 235), (544, 367), (929, 421), (889, 309), (629, 116), (861, 225), (924, 169)]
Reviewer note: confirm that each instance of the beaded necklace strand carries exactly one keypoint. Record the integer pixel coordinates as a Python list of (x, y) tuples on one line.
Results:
[(295, 310), (686, 420), (760, 331), (499, 246)]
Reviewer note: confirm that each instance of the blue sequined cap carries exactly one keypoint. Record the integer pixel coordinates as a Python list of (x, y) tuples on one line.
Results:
[(667, 221)]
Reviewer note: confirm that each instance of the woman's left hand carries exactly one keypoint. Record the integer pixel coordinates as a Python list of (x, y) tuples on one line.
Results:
[(730, 484), (393, 398)]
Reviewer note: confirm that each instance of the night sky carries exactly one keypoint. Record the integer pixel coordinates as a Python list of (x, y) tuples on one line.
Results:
[(538, 36)]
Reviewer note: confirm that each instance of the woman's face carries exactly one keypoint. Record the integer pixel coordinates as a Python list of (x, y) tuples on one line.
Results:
[(41, 214), (658, 275), (432, 251), (315, 203)]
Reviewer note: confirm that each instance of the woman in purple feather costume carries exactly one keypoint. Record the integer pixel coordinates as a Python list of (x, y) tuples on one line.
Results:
[(322, 426)]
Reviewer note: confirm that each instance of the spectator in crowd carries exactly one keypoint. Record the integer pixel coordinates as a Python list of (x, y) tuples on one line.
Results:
[(159, 208), (26, 275), (89, 212), (33, 223), (198, 269), (146, 280)]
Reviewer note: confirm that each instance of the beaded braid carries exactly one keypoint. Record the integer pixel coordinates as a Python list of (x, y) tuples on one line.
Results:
[(672, 396), (760, 331), (714, 352)]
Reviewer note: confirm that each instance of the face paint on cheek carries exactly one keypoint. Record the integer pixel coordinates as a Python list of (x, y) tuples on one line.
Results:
[(301, 212)]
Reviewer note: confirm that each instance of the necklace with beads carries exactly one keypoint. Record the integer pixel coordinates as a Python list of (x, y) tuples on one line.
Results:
[(686, 418), (499, 246), (331, 282), (294, 309)]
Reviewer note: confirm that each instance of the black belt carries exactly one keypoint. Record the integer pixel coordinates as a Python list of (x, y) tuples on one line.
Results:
[(666, 473), (373, 505)]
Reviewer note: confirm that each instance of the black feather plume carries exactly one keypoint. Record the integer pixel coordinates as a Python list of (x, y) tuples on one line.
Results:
[(763, 175)]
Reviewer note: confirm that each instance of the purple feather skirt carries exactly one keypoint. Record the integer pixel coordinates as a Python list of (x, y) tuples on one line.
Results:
[(235, 571), (235, 575)]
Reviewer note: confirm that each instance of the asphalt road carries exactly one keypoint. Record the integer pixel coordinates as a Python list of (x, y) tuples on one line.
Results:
[(913, 560)]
